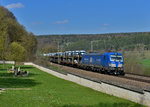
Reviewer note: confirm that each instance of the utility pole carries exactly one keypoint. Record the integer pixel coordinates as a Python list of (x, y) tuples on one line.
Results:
[(58, 46), (104, 44), (61, 48), (91, 46)]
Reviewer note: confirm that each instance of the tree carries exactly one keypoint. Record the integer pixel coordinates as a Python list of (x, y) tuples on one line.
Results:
[(11, 31), (16, 52), (3, 37), (30, 44)]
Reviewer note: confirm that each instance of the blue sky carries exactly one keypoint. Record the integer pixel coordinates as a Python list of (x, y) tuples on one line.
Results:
[(81, 16)]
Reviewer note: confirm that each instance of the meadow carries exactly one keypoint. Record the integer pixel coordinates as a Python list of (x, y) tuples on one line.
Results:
[(40, 89), (137, 62)]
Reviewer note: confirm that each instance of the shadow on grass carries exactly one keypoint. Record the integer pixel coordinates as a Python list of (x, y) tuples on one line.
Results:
[(26, 67), (106, 105), (12, 75), (1, 70), (6, 75), (17, 83), (8, 80)]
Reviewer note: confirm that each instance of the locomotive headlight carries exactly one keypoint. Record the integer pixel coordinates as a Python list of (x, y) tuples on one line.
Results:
[(120, 65), (110, 64)]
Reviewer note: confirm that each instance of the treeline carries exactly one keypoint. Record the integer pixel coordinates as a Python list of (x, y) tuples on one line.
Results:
[(15, 42), (98, 42), (114, 43)]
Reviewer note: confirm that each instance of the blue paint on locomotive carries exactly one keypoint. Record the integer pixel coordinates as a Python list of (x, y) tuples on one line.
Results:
[(109, 61), (113, 58)]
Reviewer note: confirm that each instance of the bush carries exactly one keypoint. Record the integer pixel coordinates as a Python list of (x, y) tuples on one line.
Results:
[(132, 64), (41, 60)]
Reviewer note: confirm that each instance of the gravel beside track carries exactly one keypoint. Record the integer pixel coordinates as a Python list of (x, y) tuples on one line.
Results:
[(127, 81), (138, 77)]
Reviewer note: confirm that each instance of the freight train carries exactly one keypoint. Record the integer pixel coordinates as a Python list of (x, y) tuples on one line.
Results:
[(108, 62)]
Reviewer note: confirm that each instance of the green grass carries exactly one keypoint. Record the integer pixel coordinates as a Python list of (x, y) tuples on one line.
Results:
[(46, 90), (146, 65)]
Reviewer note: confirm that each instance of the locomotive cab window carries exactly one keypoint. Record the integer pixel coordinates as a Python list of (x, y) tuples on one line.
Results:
[(104, 57), (116, 58)]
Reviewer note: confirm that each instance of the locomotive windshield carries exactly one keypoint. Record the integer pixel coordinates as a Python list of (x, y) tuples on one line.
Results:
[(116, 58)]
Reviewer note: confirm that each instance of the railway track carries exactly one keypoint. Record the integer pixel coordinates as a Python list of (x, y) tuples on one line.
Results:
[(135, 77), (130, 81), (129, 76)]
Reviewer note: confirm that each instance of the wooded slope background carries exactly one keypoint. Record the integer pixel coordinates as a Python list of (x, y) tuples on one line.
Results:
[(107, 42), (13, 35)]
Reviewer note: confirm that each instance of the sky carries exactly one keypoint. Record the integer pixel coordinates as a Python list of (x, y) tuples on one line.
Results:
[(81, 16)]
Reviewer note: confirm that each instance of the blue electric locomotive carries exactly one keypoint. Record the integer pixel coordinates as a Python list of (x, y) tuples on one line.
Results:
[(109, 62)]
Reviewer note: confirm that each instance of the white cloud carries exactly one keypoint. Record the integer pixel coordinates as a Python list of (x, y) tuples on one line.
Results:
[(104, 27), (105, 24), (15, 5), (61, 22)]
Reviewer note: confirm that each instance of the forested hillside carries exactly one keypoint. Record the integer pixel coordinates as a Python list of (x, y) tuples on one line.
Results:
[(106, 42), (13, 35)]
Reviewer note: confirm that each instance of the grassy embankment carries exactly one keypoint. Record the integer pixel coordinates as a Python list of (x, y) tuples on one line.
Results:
[(56, 68), (40, 89), (146, 66), (137, 62)]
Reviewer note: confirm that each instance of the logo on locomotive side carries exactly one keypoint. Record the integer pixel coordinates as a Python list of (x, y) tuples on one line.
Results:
[(91, 59)]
